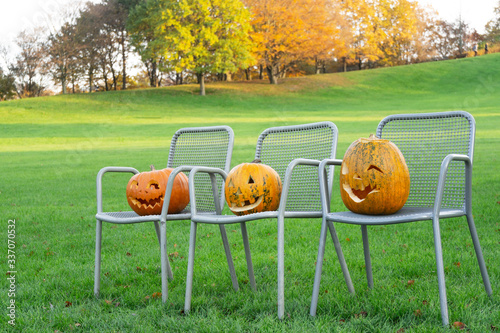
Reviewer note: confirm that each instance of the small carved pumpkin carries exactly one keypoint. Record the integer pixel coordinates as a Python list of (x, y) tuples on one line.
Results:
[(374, 177), (146, 191), (252, 188)]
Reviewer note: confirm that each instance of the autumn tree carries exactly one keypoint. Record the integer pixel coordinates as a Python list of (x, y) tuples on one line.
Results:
[(204, 36), (403, 26), (493, 27), (7, 86), (61, 52), (142, 23), (388, 32), (287, 31), (28, 65), (116, 13)]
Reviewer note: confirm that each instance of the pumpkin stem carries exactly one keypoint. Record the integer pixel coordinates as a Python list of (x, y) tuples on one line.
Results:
[(373, 137), (152, 167), (257, 160)]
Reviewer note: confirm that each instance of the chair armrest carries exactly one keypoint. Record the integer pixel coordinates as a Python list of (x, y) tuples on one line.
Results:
[(212, 172), (323, 181), (170, 185), (442, 180), (288, 176), (100, 175)]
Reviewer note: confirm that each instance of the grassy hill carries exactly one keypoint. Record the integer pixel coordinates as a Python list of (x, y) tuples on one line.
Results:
[(52, 147)]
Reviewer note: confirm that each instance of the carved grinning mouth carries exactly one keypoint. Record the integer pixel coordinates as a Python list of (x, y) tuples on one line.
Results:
[(246, 206), (147, 203), (361, 194)]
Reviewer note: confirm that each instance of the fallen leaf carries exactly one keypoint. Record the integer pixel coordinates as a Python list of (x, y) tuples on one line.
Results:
[(457, 264), (410, 282), (401, 330), (417, 313), (362, 314), (174, 254), (68, 304), (128, 254), (459, 325)]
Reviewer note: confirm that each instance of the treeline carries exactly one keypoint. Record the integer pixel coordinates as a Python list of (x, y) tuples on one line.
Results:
[(186, 41)]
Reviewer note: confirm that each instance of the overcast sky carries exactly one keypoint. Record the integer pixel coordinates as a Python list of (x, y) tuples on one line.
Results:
[(17, 15)]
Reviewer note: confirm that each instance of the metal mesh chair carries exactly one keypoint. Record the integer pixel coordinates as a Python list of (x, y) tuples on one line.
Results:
[(438, 149), (295, 153), (203, 146)]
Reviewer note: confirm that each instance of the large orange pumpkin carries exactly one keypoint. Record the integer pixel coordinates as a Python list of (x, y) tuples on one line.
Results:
[(146, 191), (252, 188), (374, 177)]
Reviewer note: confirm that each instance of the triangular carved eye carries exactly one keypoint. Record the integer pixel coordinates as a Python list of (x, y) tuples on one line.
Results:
[(230, 184), (250, 180), (375, 167), (153, 185)]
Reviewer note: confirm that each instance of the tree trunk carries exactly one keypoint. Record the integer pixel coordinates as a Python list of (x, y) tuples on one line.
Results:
[(153, 79), (63, 83), (271, 73), (124, 62), (90, 82), (248, 74), (201, 79), (261, 72)]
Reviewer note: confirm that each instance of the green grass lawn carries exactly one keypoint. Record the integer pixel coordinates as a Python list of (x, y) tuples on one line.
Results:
[(51, 149)]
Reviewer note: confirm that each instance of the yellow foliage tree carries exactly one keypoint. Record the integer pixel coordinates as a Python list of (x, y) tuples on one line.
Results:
[(286, 31), (389, 32)]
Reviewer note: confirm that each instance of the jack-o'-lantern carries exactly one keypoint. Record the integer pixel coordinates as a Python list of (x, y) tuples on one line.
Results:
[(374, 177), (146, 191), (252, 188)]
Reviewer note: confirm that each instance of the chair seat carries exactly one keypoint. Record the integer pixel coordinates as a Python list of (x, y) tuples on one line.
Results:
[(405, 214), (230, 219), (132, 217)]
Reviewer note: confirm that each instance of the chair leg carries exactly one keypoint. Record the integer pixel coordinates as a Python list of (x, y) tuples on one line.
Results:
[(281, 267), (440, 270), (319, 267), (229, 257), (97, 266), (165, 265), (319, 263), (190, 268), (340, 256), (248, 255), (479, 254), (368, 261), (158, 234)]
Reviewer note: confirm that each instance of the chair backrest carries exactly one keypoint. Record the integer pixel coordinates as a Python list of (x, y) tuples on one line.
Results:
[(203, 146), (425, 139), (278, 146)]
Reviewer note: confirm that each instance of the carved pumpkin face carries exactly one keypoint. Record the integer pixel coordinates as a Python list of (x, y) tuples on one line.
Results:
[(146, 191), (252, 188), (374, 178)]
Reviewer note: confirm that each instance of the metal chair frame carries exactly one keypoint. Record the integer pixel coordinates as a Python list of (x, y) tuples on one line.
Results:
[(441, 187), (295, 152), (190, 147)]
